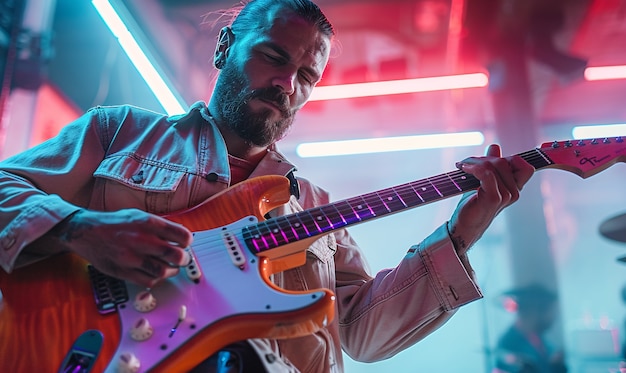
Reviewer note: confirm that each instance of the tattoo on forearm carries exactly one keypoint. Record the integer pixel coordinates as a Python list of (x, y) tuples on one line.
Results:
[(69, 228), (457, 240)]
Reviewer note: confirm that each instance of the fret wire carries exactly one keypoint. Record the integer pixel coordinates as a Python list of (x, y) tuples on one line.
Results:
[(336, 218), (358, 204), (287, 228), (321, 219), (299, 227), (309, 222), (376, 203), (251, 235), (350, 216), (392, 201), (408, 195), (276, 232)]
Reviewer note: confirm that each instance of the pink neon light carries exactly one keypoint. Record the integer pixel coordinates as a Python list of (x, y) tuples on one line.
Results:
[(393, 87), (605, 72)]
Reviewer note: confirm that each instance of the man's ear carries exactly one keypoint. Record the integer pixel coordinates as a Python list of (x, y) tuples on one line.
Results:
[(221, 49)]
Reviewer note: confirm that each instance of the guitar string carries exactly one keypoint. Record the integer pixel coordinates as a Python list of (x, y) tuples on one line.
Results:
[(377, 204)]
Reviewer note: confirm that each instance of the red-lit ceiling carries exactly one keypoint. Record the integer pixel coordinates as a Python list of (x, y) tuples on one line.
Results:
[(378, 40)]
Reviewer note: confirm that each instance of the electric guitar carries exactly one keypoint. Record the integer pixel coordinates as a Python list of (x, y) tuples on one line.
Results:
[(61, 314)]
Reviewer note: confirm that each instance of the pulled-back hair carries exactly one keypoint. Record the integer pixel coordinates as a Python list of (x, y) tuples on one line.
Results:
[(246, 17)]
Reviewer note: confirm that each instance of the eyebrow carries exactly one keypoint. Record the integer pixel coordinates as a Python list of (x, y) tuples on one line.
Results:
[(283, 53)]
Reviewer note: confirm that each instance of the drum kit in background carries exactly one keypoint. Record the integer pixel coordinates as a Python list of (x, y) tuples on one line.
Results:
[(614, 229)]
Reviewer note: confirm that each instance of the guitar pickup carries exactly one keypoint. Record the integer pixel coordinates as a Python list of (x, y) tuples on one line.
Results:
[(108, 291), (234, 249), (192, 269)]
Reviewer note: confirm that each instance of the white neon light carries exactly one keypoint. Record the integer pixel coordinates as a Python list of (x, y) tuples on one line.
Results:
[(599, 131), (605, 72), (392, 87), (163, 93), (389, 144)]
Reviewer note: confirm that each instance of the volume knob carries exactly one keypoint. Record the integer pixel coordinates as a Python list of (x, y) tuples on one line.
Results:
[(144, 301), (142, 330), (128, 363)]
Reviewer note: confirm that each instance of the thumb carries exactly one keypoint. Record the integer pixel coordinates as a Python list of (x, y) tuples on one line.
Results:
[(493, 150)]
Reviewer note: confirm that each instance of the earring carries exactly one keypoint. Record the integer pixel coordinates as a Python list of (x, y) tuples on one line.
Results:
[(219, 62)]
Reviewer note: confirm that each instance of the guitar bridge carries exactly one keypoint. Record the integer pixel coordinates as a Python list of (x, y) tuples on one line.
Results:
[(108, 291)]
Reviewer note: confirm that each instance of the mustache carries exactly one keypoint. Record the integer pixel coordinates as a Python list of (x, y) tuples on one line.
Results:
[(273, 95)]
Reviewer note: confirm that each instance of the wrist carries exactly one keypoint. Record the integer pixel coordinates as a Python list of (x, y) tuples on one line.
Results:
[(67, 229), (458, 241)]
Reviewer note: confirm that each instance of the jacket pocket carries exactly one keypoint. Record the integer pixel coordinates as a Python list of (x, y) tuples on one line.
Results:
[(133, 182), (141, 174), (323, 249)]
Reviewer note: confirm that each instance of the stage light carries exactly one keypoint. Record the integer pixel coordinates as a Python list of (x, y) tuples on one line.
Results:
[(389, 144), (166, 97), (605, 72), (599, 131), (392, 87)]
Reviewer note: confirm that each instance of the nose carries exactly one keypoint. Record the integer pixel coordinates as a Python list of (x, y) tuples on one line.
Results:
[(285, 82)]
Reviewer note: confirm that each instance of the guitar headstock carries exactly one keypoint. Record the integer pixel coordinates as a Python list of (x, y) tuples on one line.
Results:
[(586, 157)]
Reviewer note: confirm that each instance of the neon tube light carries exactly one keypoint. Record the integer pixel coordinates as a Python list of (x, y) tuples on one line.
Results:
[(599, 131), (605, 72), (146, 69), (388, 144), (392, 87)]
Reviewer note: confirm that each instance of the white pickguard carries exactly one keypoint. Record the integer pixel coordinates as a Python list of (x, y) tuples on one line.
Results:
[(223, 290)]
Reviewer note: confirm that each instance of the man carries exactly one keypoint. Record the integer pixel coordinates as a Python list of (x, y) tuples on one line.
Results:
[(99, 187), (523, 347)]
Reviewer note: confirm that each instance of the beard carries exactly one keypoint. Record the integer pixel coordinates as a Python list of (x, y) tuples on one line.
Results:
[(257, 128)]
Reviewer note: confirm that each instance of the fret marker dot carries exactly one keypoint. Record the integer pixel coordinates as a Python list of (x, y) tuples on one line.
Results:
[(275, 231), (297, 224), (389, 198), (319, 218), (423, 189)]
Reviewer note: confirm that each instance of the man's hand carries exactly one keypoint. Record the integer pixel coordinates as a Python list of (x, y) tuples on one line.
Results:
[(128, 244), (501, 180)]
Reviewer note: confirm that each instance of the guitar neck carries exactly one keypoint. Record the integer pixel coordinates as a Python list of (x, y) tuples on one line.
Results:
[(287, 229)]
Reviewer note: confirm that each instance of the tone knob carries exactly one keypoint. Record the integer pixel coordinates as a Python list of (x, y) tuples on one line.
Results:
[(142, 330), (128, 363), (144, 301)]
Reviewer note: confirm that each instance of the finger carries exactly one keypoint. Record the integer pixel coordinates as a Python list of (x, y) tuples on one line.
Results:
[(509, 186), (175, 256), (130, 273), (493, 150), (173, 232), (522, 171), (156, 268), (141, 278)]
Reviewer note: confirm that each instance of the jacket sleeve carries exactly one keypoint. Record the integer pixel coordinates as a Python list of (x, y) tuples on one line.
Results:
[(390, 312), (42, 185)]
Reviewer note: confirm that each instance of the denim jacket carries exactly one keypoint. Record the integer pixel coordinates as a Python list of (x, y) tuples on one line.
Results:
[(125, 157)]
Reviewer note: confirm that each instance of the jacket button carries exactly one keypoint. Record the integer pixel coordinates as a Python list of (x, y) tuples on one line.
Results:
[(211, 177), (137, 178)]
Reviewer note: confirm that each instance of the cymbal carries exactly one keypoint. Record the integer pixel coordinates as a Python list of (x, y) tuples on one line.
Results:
[(614, 228)]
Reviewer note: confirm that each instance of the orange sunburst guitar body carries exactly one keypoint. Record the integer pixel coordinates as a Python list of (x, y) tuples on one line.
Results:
[(225, 295)]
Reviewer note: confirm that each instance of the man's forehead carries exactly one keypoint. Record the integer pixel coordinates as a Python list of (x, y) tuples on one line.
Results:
[(282, 24)]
